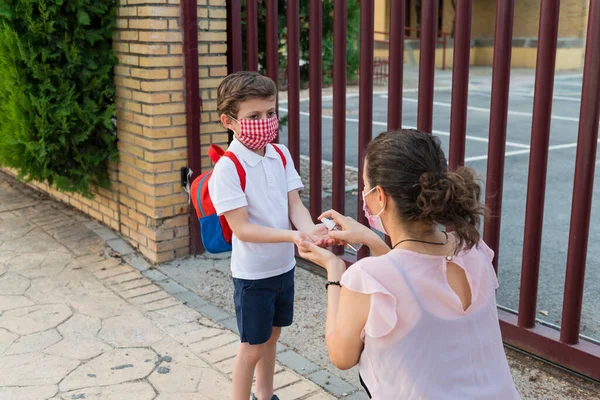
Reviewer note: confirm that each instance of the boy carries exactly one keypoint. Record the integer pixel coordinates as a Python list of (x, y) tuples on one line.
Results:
[(262, 261)]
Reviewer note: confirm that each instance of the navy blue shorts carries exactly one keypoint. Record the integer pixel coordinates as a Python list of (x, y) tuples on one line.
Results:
[(262, 304)]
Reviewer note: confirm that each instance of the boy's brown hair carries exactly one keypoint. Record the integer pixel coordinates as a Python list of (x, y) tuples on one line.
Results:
[(241, 86)]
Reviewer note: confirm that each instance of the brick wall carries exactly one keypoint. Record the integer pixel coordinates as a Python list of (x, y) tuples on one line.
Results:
[(146, 202), (152, 135)]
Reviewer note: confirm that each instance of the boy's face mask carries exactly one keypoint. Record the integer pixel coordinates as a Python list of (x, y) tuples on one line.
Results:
[(255, 134)]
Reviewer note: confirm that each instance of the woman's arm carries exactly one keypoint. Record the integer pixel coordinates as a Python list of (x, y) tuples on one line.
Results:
[(347, 311), (353, 232)]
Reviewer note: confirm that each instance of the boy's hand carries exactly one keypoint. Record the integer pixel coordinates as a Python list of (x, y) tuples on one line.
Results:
[(320, 236), (301, 237)]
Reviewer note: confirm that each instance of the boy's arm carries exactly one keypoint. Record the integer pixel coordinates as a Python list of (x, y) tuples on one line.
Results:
[(252, 233), (299, 214)]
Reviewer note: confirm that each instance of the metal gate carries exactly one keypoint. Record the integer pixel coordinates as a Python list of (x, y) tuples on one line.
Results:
[(564, 346)]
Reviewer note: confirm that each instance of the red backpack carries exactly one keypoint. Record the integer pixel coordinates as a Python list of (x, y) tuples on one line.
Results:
[(215, 231)]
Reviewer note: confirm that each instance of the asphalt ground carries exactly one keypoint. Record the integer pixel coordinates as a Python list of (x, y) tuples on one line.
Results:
[(561, 166)]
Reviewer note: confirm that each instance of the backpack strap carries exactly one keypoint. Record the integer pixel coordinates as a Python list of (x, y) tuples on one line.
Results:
[(238, 166), (215, 153), (278, 150)]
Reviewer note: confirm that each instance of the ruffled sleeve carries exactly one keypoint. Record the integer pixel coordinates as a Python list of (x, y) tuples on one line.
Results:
[(382, 314), (489, 253)]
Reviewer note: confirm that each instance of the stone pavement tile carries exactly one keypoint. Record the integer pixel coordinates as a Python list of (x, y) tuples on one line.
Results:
[(28, 320), (181, 329), (101, 265), (297, 363), (323, 396), (41, 265), (115, 280), (200, 334), (132, 284), (3, 267), (13, 284), (99, 305), (74, 230), (140, 291), (122, 269), (124, 391), (285, 378), (214, 342), (34, 343), (161, 304), (68, 285), (80, 326), (6, 339), (111, 368), (34, 241), (213, 356), (331, 383), (78, 349), (34, 369), (28, 392), (149, 298), (90, 259), (180, 314), (174, 377), (297, 390), (213, 385), (181, 396), (12, 302), (169, 347), (131, 329), (226, 366)]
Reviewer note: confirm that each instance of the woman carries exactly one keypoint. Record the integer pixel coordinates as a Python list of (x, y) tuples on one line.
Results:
[(420, 319)]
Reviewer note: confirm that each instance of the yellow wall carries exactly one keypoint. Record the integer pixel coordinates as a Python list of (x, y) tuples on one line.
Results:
[(573, 17)]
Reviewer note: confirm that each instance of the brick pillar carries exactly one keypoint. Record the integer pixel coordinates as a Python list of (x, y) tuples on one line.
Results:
[(151, 120)]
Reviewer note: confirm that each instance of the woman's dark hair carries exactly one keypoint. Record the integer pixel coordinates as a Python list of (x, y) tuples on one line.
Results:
[(411, 167)]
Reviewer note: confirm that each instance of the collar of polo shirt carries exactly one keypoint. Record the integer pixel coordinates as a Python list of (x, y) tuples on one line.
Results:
[(250, 157)]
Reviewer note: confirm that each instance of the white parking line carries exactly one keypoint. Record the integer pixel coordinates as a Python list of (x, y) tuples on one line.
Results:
[(441, 133), (518, 152), (353, 95), (487, 110)]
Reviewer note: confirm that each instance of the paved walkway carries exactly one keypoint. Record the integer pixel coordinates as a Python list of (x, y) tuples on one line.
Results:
[(79, 321)]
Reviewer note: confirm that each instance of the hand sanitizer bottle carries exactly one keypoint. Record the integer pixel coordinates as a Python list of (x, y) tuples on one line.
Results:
[(332, 226)]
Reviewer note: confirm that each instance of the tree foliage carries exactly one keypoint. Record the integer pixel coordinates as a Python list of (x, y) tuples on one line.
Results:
[(353, 27), (56, 91)]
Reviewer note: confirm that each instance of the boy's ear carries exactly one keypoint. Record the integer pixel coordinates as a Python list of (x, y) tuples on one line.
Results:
[(227, 121)]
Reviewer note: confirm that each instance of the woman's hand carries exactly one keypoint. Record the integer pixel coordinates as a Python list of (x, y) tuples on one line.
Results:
[(326, 259), (351, 231)]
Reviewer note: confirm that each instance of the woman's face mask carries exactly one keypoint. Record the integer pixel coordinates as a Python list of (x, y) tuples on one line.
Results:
[(374, 220), (255, 134)]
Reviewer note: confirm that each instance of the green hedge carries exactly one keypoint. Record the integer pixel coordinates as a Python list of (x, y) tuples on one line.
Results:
[(57, 92)]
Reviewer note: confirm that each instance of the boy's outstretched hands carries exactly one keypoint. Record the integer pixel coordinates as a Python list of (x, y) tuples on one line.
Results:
[(319, 236)]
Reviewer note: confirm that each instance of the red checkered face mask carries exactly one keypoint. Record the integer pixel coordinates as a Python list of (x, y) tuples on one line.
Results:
[(255, 134)]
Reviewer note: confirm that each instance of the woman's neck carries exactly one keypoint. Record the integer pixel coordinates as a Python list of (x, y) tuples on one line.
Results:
[(417, 231)]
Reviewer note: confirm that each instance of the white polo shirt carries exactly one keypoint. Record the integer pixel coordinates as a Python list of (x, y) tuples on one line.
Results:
[(266, 196)]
